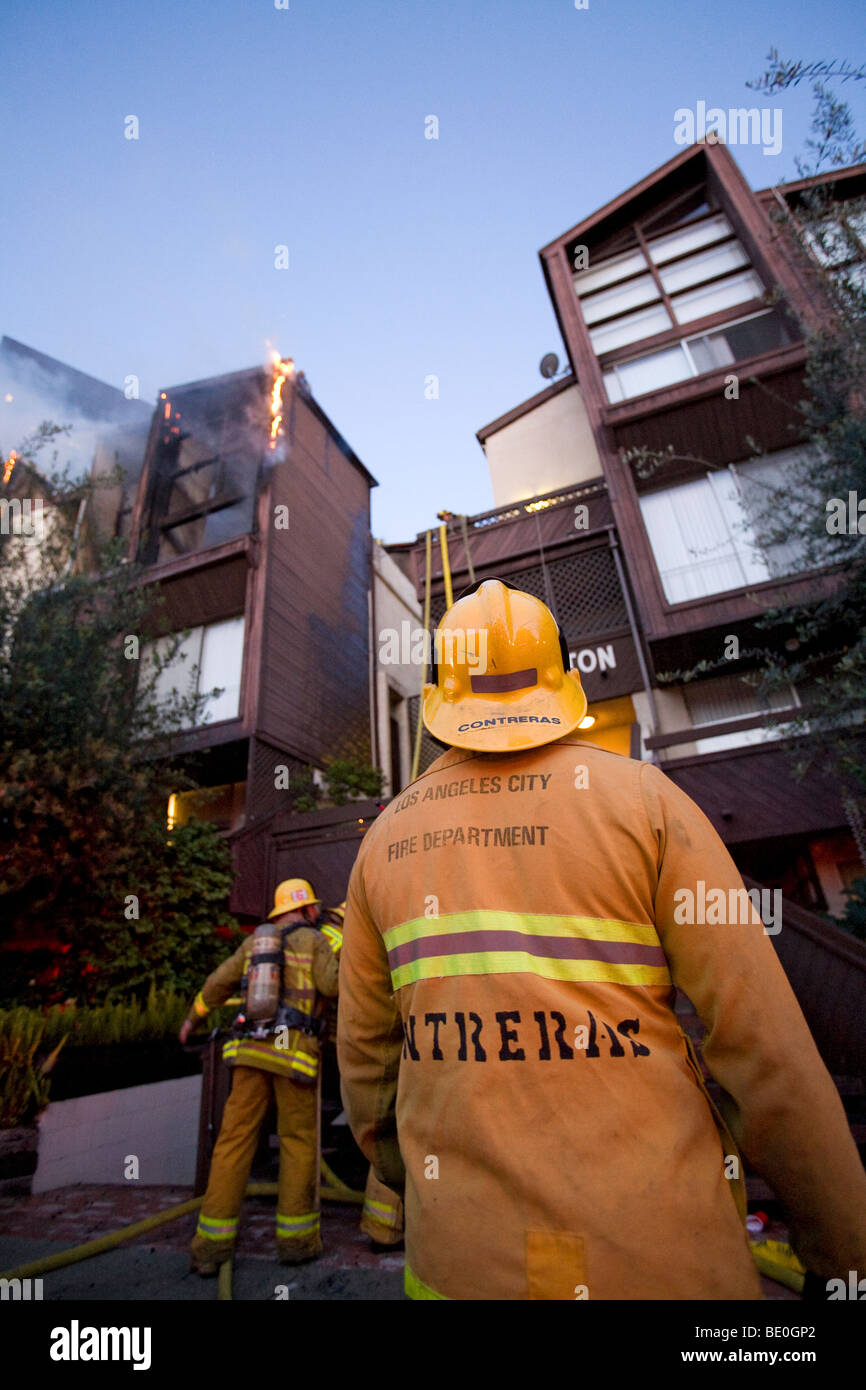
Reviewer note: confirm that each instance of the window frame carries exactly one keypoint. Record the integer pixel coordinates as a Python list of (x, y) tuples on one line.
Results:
[(684, 343), (196, 635), (678, 329), (745, 548)]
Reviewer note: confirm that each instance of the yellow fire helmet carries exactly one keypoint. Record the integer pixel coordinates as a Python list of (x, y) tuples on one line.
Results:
[(292, 894), (502, 681)]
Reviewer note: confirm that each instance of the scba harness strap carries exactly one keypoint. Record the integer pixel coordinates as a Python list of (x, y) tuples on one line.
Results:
[(285, 1017)]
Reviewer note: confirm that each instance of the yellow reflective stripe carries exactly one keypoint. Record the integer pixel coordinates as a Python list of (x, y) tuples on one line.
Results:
[(304, 1062), (415, 1288), (217, 1227), (378, 1206), (288, 1060), (521, 962), (533, 924), (572, 949), (200, 1006), (387, 1216), (297, 1225)]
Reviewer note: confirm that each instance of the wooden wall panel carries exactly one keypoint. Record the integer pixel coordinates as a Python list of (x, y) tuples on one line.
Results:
[(749, 794), (206, 594), (314, 685)]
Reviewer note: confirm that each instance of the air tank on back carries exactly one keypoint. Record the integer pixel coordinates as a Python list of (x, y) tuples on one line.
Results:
[(264, 973)]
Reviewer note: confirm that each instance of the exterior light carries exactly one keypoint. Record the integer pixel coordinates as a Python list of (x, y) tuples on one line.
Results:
[(587, 721)]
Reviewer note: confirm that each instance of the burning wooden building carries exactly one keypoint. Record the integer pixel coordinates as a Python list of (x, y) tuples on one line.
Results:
[(252, 521)]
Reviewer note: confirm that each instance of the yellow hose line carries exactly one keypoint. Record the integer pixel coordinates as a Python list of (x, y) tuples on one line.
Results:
[(416, 755), (107, 1242), (446, 568), (224, 1281)]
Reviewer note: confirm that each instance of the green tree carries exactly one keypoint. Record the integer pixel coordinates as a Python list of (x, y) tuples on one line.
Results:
[(85, 752), (827, 653)]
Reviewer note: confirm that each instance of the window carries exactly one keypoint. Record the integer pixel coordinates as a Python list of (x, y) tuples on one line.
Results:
[(648, 373), (689, 238), (691, 272), (833, 242), (704, 266), (620, 298), (609, 271), (731, 697), (734, 342), (703, 533), (838, 244), (630, 328), (203, 470), (207, 658), (721, 294)]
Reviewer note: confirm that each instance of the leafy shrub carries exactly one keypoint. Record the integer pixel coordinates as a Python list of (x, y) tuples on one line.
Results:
[(350, 777), (24, 1076)]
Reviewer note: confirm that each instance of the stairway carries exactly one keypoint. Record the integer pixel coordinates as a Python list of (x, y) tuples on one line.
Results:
[(852, 1090), (827, 971)]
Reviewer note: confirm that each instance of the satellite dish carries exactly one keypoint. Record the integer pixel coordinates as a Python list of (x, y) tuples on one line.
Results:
[(549, 365)]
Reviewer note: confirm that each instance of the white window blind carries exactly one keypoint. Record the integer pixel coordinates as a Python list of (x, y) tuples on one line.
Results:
[(207, 658), (620, 299), (758, 481), (180, 675), (609, 271), (222, 655), (689, 239), (649, 373), (630, 328), (703, 266), (691, 542), (731, 697), (722, 294), (704, 533)]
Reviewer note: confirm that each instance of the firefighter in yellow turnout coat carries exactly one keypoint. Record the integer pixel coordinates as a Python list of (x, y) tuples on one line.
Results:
[(382, 1212), (283, 1063), (516, 922)]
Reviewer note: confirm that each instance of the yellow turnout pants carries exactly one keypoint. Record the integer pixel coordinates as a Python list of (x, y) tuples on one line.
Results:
[(382, 1215), (298, 1230)]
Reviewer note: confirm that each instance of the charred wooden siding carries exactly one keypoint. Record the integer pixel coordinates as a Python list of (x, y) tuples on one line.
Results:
[(314, 677)]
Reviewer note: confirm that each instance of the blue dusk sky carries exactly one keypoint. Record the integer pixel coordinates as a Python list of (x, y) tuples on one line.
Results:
[(304, 126)]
